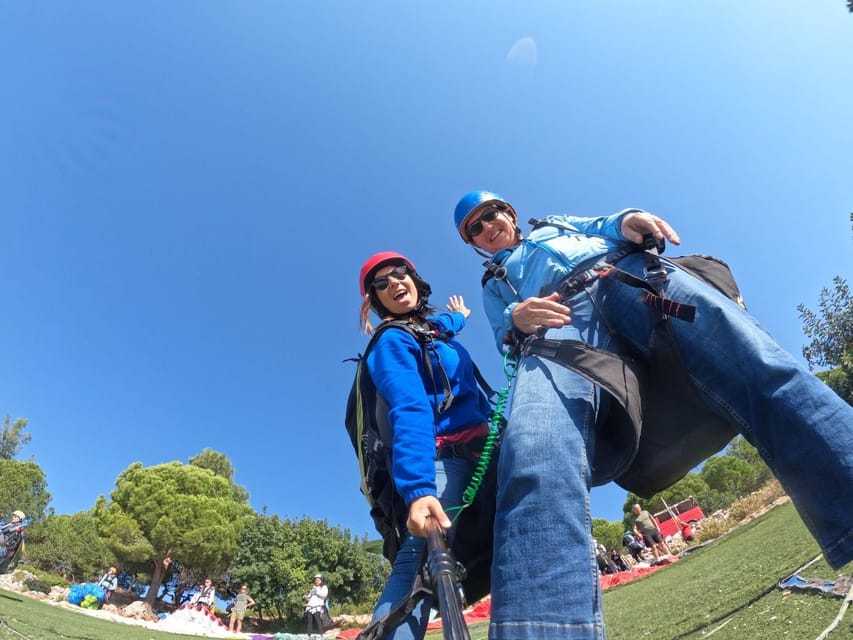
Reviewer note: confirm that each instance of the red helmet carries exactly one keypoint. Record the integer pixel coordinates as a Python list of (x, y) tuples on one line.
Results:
[(375, 262)]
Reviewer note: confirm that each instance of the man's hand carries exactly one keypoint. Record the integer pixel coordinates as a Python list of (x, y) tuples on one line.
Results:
[(423, 509), (635, 225), (537, 313)]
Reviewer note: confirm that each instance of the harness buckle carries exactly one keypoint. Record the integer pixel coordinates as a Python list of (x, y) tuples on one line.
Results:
[(580, 281), (654, 271)]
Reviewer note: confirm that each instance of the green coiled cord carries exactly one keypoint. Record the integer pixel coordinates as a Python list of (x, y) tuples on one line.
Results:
[(496, 424)]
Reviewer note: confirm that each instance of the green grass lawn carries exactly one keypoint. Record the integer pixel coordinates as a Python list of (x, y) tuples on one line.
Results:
[(730, 582), (727, 587), (24, 617)]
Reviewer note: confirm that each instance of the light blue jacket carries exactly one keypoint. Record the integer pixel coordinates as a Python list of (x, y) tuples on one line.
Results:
[(544, 259)]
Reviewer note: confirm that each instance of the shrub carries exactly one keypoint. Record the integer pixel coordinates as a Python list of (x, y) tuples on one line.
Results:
[(712, 528), (756, 500), (765, 497), (34, 584), (45, 576)]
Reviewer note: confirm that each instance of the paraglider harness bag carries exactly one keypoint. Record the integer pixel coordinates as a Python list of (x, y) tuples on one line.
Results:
[(660, 427), (371, 436)]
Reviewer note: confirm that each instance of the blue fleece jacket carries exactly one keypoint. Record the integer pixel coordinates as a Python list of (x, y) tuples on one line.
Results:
[(397, 367)]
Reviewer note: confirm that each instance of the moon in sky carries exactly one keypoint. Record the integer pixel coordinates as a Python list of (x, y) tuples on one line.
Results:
[(523, 52)]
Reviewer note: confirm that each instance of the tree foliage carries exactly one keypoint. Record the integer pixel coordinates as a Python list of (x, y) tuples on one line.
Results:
[(13, 438), (277, 558), (221, 466), (831, 333), (23, 486), (356, 575), (172, 511), (69, 544), (608, 533), (728, 474)]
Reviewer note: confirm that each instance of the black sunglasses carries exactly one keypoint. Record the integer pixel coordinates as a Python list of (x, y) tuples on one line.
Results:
[(398, 273), (476, 228)]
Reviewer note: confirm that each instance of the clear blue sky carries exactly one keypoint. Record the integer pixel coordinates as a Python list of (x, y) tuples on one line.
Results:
[(187, 192)]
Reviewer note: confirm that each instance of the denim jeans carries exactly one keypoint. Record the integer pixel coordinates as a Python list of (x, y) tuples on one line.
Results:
[(451, 478), (544, 576)]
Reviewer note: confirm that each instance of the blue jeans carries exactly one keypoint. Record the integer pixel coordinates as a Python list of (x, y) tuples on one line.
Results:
[(451, 478), (544, 575)]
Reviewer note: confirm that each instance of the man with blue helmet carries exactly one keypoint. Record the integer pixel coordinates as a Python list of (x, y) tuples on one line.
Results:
[(584, 305)]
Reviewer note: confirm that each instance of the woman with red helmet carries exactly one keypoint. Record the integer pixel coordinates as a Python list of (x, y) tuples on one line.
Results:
[(434, 443)]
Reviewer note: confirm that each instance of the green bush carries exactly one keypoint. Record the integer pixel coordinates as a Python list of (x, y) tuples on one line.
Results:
[(34, 584), (45, 576)]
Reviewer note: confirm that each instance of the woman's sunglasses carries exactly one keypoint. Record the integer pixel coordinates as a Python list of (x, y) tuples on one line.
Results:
[(476, 228), (398, 273)]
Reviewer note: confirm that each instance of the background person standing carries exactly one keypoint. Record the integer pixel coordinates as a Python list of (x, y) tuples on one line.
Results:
[(646, 528), (238, 611), (109, 582), (11, 534), (315, 603)]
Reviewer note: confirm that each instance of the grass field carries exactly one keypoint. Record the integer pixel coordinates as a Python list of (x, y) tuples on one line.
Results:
[(23, 617), (727, 588)]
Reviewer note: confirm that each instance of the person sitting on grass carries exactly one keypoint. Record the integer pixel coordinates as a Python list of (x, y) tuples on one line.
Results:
[(617, 561)]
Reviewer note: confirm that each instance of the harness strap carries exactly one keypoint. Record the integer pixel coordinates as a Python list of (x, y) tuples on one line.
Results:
[(424, 338), (661, 305), (471, 449), (446, 391), (378, 629), (490, 393), (654, 272), (652, 297)]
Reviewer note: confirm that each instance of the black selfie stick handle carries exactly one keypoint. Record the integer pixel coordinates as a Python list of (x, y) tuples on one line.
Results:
[(442, 571)]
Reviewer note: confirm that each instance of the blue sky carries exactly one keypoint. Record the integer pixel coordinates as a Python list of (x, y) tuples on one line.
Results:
[(187, 192)]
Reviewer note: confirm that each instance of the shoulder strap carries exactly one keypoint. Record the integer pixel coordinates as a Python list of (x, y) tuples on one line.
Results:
[(420, 336), (497, 271), (424, 338), (487, 389), (537, 223)]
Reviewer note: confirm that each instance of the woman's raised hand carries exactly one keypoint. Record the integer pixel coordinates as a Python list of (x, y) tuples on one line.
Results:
[(458, 304)]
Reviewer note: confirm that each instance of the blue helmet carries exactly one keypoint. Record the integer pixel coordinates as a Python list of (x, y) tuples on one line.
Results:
[(471, 201)]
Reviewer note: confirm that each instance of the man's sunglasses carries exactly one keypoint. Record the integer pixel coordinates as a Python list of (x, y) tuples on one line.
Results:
[(476, 228), (398, 273)]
